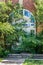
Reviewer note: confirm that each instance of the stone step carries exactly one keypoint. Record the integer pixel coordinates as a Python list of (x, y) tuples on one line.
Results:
[(17, 60), (39, 56), (19, 55)]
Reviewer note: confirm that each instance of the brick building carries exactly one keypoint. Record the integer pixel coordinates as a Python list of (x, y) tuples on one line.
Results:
[(27, 4)]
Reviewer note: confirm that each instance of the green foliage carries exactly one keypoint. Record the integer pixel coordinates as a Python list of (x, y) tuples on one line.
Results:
[(8, 34), (17, 10), (11, 34), (39, 10), (3, 12), (3, 52), (6, 28), (32, 45), (33, 62), (15, 14), (28, 42)]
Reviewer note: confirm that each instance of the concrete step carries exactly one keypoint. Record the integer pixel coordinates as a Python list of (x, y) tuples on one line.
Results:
[(37, 56), (19, 55), (17, 60)]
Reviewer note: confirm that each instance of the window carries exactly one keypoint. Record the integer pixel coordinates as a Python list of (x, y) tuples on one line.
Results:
[(32, 19), (26, 13), (26, 25), (32, 24)]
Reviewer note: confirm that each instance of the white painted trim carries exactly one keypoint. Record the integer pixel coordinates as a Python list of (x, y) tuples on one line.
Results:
[(30, 12), (21, 2)]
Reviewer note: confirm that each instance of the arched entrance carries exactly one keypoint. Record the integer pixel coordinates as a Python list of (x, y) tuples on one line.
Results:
[(28, 26), (30, 21)]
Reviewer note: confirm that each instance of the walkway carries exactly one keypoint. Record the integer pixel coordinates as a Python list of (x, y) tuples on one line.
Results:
[(18, 59), (13, 59), (13, 62)]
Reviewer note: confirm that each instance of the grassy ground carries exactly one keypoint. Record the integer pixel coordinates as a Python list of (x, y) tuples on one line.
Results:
[(33, 62), (1, 59)]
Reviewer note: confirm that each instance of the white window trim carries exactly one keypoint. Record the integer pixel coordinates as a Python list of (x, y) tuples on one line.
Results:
[(21, 2)]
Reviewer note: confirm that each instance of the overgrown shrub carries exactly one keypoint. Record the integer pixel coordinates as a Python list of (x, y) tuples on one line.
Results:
[(3, 52), (32, 45)]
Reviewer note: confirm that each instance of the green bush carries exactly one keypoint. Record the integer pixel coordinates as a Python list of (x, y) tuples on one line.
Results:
[(6, 53), (32, 45), (3, 52)]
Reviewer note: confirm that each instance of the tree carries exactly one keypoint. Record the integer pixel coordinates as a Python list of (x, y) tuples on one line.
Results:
[(16, 13), (8, 34), (38, 13), (5, 26)]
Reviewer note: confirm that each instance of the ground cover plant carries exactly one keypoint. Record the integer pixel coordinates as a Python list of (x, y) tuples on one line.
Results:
[(33, 62)]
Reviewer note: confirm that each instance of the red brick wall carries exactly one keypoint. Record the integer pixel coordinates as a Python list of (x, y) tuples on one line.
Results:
[(29, 4), (40, 28), (15, 1)]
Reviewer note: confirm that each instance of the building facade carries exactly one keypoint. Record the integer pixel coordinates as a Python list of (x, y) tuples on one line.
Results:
[(30, 24), (27, 4)]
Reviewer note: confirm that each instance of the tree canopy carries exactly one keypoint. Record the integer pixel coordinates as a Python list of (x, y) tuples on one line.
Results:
[(39, 10)]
